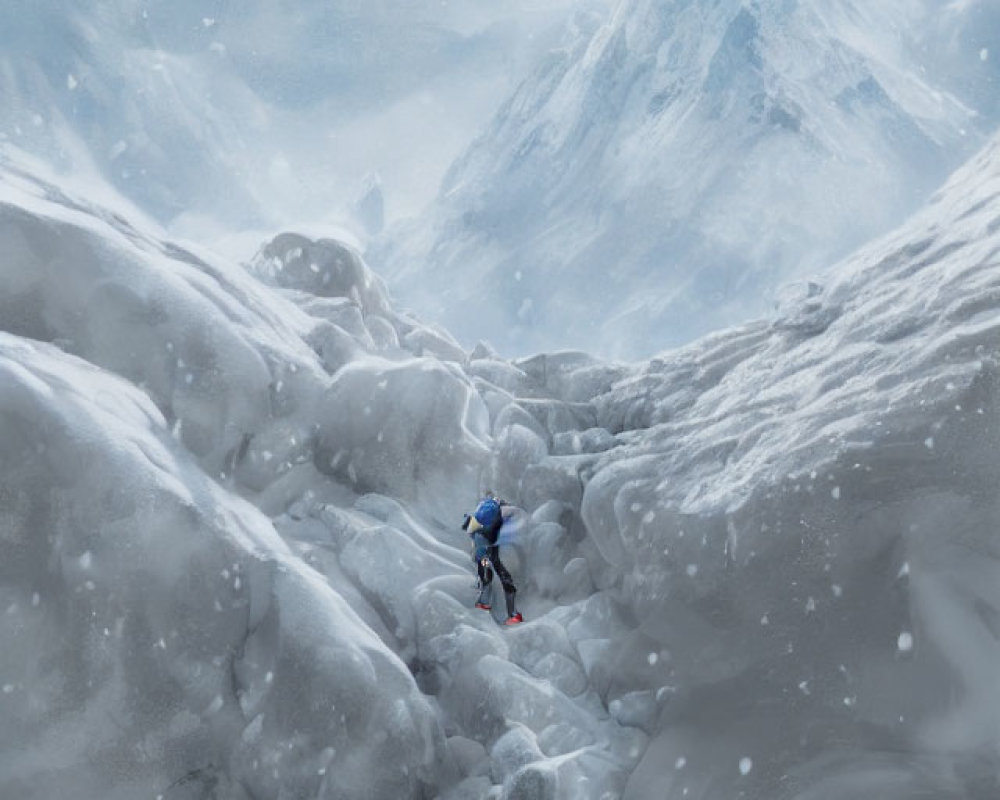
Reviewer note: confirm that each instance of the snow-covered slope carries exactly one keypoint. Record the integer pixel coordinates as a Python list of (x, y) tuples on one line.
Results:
[(763, 565), (659, 178), (805, 517)]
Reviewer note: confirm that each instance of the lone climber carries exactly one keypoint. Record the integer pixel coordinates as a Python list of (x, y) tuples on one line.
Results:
[(483, 525)]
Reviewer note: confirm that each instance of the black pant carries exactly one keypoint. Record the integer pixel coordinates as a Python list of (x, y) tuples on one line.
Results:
[(486, 576)]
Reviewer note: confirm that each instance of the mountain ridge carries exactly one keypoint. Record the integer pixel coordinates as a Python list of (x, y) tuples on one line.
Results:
[(672, 168)]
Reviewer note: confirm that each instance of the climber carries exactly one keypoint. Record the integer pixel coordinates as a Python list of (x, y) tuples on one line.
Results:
[(483, 525)]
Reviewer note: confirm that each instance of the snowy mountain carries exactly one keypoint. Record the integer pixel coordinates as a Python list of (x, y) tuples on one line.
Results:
[(216, 117), (763, 565), (668, 170)]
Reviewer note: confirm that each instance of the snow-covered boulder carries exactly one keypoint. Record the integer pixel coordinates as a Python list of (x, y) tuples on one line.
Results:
[(158, 633), (219, 355), (412, 429), (324, 267)]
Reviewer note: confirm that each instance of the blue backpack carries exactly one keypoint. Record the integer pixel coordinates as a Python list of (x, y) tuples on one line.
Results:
[(488, 513)]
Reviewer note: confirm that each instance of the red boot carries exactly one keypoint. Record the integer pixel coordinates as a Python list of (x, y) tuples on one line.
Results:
[(514, 619)]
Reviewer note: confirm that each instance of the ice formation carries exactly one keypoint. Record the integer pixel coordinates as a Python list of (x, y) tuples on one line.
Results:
[(761, 565)]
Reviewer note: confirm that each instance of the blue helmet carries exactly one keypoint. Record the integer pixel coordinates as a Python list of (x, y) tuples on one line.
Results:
[(488, 511)]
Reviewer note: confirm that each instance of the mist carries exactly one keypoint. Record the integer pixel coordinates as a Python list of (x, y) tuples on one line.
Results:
[(220, 120), (706, 292)]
